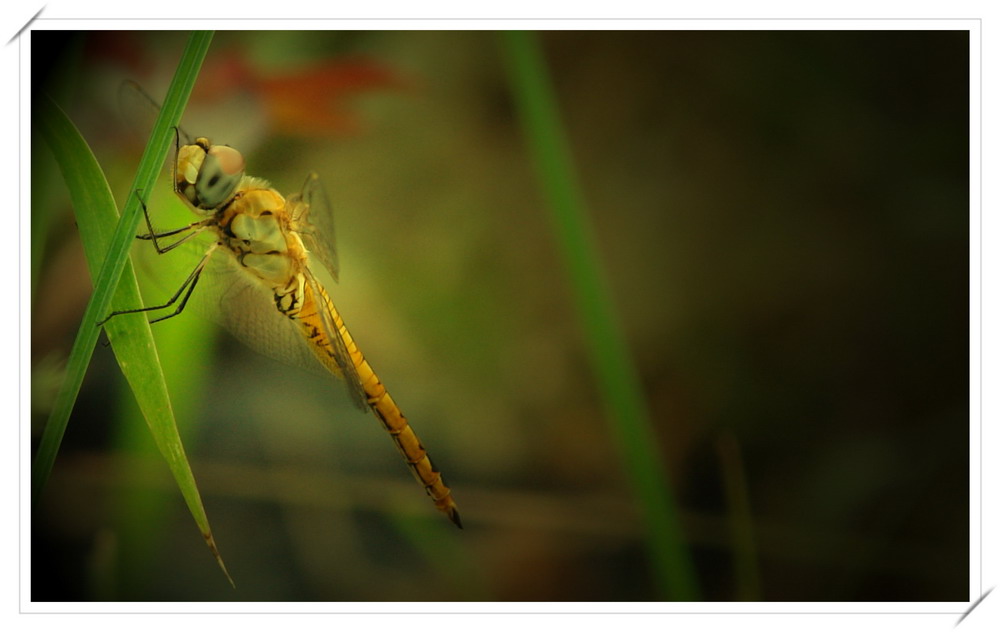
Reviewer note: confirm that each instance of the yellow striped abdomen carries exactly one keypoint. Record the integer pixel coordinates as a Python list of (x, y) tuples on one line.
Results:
[(381, 403)]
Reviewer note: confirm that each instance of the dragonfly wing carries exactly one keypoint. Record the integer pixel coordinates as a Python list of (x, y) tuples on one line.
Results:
[(140, 109), (313, 218), (239, 302), (227, 295), (332, 325), (245, 307)]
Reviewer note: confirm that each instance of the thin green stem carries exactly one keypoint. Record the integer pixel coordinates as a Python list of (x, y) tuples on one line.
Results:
[(745, 570), (107, 279), (616, 376), (102, 235)]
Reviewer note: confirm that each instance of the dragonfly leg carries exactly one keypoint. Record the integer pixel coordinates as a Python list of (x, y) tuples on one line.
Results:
[(195, 228), (186, 289)]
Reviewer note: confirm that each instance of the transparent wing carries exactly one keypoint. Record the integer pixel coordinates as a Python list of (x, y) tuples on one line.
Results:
[(227, 295), (332, 325), (140, 110), (241, 304), (230, 297), (313, 221)]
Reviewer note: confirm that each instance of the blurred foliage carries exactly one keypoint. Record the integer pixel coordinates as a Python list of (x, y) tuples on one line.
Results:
[(107, 240), (784, 220)]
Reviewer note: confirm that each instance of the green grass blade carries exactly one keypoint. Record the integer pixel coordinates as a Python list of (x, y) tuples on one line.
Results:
[(745, 569), (106, 242), (616, 376), (141, 513), (42, 165)]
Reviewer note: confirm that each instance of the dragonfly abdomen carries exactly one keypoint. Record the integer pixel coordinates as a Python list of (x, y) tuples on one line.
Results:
[(406, 440), (419, 461), (386, 410)]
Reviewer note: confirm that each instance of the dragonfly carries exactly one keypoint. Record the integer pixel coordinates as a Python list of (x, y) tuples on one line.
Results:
[(263, 255)]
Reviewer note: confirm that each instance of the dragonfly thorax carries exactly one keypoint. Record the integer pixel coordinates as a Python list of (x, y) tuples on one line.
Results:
[(256, 226), (259, 234)]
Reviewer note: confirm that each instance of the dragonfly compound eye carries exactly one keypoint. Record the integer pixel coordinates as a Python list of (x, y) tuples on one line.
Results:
[(219, 176)]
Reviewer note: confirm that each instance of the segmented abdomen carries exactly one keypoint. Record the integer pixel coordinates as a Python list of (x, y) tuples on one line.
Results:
[(378, 398)]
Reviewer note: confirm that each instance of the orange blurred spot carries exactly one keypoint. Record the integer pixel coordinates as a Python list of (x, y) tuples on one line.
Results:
[(314, 101)]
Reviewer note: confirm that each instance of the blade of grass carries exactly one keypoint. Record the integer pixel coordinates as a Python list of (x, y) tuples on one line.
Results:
[(107, 279), (42, 165), (131, 338), (623, 401), (141, 513), (745, 569)]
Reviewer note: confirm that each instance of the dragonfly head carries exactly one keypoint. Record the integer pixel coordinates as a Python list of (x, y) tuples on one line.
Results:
[(207, 175)]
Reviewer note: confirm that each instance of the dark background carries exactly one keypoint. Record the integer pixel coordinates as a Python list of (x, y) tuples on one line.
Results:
[(784, 219)]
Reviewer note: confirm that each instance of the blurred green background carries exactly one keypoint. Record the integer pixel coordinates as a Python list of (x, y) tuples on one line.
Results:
[(783, 217)]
